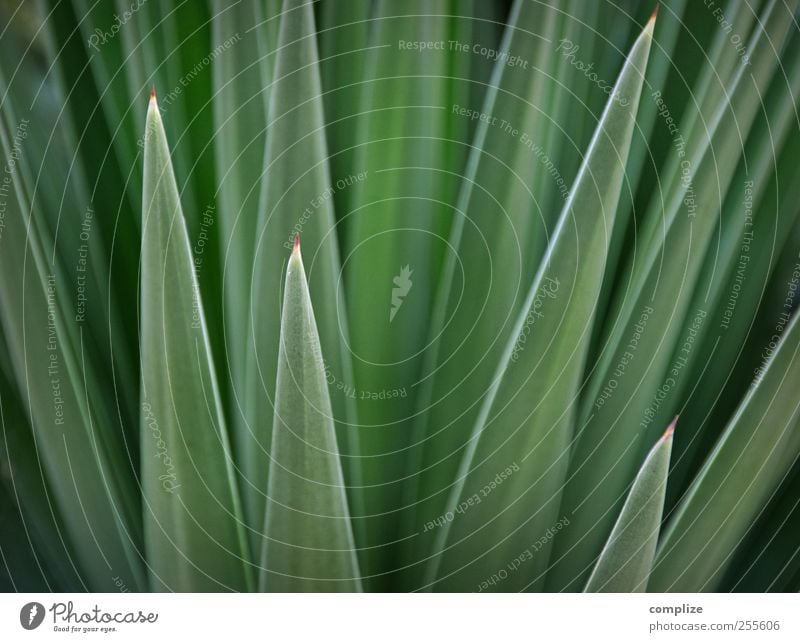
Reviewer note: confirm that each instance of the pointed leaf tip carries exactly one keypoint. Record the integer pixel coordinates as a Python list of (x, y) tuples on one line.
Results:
[(670, 429), (296, 248), (654, 15), (625, 563)]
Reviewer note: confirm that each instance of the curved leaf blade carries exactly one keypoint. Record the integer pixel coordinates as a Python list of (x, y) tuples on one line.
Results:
[(750, 460), (528, 415)]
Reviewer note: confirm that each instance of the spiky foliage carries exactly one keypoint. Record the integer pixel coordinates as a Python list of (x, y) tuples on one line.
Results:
[(532, 234)]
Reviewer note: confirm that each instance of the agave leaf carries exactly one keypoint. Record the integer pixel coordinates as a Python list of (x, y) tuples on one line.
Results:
[(111, 69), (708, 103), (193, 535), (241, 97), (410, 151), (86, 465), (521, 440), (343, 36), (309, 542), (752, 457), (81, 231), (521, 165), (296, 196), (770, 554), (53, 559), (742, 267), (625, 562), (152, 56), (617, 421), (643, 145), (20, 567), (496, 212)]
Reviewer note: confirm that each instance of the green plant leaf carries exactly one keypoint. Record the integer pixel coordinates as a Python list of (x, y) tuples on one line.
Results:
[(617, 419), (409, 150), (309, 542), (727, 355), (296, 196), (625, 562), (242, 85), (193, 533), (21, 474), (752, 457), (770, 554), (520, 445), (81, 454), (497, 215)]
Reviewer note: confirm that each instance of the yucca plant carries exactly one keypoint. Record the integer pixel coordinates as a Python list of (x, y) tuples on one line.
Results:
[(399, 295)]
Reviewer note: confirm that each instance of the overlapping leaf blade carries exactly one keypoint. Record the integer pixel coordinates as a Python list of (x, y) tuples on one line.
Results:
[(625, 562), (241, 98), (520, 445), (194, 537), (617, 419), (308, 542), (751, 458), (296, 197)]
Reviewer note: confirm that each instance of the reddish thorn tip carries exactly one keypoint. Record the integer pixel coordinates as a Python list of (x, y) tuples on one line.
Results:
[(296, 244), (671, 428), (153, 92), (655, 12)]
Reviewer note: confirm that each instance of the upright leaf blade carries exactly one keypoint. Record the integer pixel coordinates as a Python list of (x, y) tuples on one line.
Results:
[(625, 562), (527, 417), (80, 452), (654, 308), (758, 448), (296, 196), (241, 97), (309, 540), (497, 215), (193, 534)]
